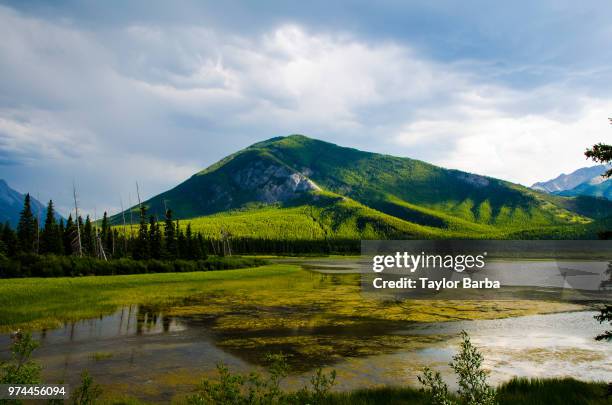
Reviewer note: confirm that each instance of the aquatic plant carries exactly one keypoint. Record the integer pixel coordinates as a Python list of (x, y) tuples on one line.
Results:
[(99, 356), (88, 392)]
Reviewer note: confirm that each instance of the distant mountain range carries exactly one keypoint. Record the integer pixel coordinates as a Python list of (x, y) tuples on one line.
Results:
[(302, 188), (11, 205), (586, 181)]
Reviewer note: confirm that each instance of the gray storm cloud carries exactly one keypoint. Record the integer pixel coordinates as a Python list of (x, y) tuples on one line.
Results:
[(154, 100)]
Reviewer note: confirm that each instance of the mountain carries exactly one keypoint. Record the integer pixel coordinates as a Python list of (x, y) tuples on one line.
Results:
[(11, 204), (587, 181), (597, 187), (570, 181), (298, 187)]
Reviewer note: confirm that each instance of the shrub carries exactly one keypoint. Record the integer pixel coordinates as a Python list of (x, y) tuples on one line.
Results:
[(320, 387), (32, 265), (471, 378), (437, 388), (254, 389), (20, 369)]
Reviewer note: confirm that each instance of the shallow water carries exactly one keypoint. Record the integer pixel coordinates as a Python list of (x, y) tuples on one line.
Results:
[(143, 352), (156, 358)]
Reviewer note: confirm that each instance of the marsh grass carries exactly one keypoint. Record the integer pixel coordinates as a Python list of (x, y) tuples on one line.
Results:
[(38, 303), (315, 318), (552, 391), (386, 395), (99, 356)]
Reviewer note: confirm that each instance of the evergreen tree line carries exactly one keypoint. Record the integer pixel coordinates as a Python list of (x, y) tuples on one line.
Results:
[(84, 238), (149, 239)]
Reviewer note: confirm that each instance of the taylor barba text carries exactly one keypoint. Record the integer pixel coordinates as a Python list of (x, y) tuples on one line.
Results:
[(437, 285)]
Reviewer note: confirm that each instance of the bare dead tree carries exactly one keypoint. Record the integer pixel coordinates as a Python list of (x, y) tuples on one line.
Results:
[(225, 242), (76, 213)]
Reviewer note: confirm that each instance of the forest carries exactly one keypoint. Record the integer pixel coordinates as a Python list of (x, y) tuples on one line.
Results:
[(83, 247)]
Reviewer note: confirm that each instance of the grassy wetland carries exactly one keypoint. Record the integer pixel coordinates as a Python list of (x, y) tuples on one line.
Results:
[(154, 336), (238, 299)]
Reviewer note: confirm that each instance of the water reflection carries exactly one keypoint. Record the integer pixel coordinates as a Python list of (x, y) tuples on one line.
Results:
[(154, 356), (132, 320)]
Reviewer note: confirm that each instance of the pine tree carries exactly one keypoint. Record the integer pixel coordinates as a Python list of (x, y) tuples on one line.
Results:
[(155, 239), (189, 254), (50, 238), (196, 247), (26, 228), (141, 246), (87, 237), (69, 234), (10, 239), (105, 233), (60, 235), (201, 247), (110, 240), (3, 248), (117, 244), (181, 246), (169, 237)]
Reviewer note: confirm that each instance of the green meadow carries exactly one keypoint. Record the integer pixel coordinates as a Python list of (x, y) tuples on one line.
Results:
[(35, 303)]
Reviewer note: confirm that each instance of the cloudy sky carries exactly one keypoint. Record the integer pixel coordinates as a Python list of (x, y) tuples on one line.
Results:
[(106, 94)]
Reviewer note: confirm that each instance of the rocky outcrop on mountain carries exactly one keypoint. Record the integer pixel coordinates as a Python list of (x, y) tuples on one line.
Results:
[(273, 183)]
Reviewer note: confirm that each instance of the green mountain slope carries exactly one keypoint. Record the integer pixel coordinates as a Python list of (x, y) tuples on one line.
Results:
[(298, 187), (325, 216)]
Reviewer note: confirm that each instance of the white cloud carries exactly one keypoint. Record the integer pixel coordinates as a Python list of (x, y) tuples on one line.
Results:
[(157, 102), (520, 147)]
